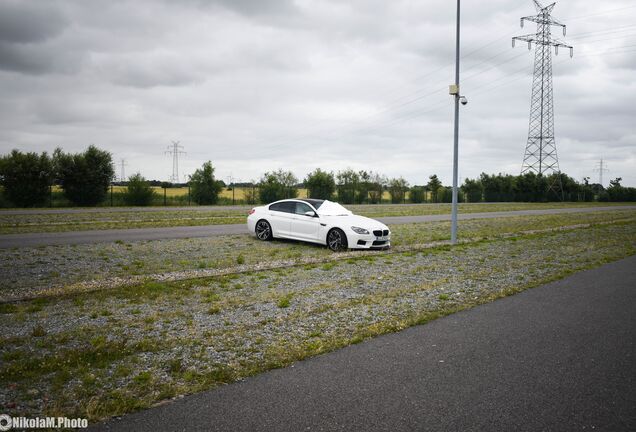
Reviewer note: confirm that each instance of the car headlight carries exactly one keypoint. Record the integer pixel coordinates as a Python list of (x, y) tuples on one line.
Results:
[(359, 230)]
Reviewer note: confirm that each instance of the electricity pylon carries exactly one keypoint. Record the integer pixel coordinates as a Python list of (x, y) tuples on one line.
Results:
[(541, 152), (175, 150), (601, 168), (122, 165)]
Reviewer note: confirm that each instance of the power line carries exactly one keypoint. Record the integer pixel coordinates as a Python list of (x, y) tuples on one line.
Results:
[(410, 99), (605, 12)]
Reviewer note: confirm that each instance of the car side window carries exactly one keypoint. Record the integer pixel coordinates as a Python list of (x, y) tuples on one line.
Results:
[(302, 208), (279, 207), (285, 207)]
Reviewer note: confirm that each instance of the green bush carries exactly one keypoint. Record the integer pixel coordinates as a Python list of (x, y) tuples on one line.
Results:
[(473, 190), (84, 177), (417, 194), (138, 192), (397, 189), (204, 188), (277, 185), (320, 184), (26, 178)]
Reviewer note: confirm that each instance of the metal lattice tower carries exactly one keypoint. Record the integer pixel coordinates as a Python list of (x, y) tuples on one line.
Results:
[(541, 152), (175, 150), (122, 165), (601, 167)]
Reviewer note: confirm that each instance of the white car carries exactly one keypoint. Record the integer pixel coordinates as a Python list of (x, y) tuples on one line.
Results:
[(318, 221)]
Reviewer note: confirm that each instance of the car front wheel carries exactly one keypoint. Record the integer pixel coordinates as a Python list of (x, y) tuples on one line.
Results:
[(263, 230), (337, 240)]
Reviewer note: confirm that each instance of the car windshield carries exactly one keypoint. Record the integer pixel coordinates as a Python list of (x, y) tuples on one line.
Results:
[(329, 208)]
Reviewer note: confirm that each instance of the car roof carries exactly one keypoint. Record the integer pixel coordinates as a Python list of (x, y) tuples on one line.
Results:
[(314, 202)]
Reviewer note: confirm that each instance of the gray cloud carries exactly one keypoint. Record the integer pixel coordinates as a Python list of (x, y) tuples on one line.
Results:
[(29, 22), (258, 85)]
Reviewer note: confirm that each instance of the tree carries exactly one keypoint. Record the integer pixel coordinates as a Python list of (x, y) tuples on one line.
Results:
[(84, 177), (250, 192), (498, 187), (617, 192), (347, 181), (277, 185), (473, 190), (587, 192), (417, 194), (364, 184), (397, 190), (26, 178), (138, 192), (377, 183), (434, 185), (204, 188), (531, 187), (320, 184)]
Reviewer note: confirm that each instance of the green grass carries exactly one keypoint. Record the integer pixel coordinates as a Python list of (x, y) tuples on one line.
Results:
[(219, 254), (285, 300), (178, 343), (91, 219)]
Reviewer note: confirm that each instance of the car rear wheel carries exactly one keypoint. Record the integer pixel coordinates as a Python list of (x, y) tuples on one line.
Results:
[(337, 240), (263, 230)]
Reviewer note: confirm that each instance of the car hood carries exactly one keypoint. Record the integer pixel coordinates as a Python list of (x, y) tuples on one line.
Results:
[(355, 220)]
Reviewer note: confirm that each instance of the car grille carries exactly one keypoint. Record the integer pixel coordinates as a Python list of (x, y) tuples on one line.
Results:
[(380, 233), (379, 243)]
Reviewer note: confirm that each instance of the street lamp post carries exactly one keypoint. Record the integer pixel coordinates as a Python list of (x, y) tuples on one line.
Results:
[(454, 90)]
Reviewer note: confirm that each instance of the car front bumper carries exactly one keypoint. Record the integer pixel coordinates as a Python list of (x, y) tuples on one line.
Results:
[(368, 241)]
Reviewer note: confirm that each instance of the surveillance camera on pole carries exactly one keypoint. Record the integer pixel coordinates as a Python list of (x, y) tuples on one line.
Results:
[(453, 90)]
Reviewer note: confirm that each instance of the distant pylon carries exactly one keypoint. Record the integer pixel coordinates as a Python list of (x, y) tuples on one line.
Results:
[(122, 165), (600, 168), (175, 150), (541, 152)]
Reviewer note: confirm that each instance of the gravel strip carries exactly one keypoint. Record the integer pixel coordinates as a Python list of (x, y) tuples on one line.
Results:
[(137, 346), (50, 270)]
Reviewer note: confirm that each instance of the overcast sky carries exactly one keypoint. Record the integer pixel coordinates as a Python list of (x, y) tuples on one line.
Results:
[(257, 85)]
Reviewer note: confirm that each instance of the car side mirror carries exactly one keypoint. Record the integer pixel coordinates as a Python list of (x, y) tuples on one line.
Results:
[(311, 213)]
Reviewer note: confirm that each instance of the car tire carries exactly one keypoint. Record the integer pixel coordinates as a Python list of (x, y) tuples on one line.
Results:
[(337, 240), (263, 230)]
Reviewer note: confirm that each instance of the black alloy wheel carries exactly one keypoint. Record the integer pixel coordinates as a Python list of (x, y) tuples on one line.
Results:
[(337, 240), (263, 230)]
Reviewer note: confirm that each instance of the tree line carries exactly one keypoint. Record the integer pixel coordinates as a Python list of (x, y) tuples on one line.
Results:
[(85, 178)]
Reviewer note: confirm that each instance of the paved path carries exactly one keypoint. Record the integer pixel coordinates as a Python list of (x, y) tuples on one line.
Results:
[(137, 234), (559, 357)]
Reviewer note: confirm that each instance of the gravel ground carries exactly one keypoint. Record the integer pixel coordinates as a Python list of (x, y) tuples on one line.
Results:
[(30, 272), (105, 353)]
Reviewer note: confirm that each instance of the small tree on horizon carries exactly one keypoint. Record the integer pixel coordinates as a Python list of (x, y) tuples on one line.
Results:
[(26, 178), (84, 177), (347, 185), (277, 185), (320, 184), (417, 194), (204, 188), (434, 185), (473, 190), (138, 192), (397, 190)]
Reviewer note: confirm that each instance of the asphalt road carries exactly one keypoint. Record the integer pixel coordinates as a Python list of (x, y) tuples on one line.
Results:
[(560, 357), (137, 234)]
